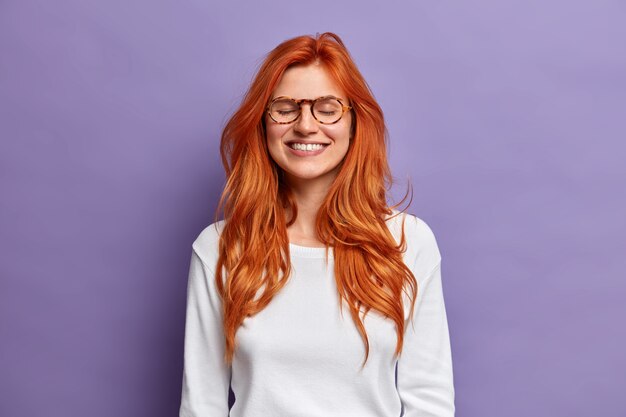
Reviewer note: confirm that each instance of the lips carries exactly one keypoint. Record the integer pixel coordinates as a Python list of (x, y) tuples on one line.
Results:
[(289, 142)]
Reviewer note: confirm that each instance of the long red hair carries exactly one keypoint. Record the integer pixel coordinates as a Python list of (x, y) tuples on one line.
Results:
[(254, 247)]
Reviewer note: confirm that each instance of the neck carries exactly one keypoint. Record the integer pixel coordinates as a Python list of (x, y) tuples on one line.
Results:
[(308, 195)]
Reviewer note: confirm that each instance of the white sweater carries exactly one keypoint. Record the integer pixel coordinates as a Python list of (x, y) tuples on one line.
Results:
[(299, 358)]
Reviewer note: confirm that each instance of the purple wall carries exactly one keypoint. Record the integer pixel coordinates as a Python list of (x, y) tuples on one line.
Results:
[(509, 117)]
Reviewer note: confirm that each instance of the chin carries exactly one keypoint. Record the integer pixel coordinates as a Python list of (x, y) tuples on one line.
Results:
[(312, 176)]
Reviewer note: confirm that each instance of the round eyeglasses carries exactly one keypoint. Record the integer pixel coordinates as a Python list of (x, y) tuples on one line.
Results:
[(326, 109)]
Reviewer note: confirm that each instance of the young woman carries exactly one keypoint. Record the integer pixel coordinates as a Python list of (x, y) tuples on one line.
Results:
[(313, 297)]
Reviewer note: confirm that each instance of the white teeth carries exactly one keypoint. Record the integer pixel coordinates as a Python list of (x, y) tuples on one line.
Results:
[(307, 147)]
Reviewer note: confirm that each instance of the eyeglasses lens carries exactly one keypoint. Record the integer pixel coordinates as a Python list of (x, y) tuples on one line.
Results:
[(327, 110)]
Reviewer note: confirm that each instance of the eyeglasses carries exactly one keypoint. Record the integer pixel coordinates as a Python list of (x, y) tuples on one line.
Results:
[(326, 109)]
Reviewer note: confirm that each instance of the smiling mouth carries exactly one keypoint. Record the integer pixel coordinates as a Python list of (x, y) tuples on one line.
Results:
[(307, 146)]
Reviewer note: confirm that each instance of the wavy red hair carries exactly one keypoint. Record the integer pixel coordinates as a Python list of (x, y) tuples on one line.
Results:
[(369, 268)]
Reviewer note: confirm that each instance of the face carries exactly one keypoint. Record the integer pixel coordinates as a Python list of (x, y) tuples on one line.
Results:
[(317, 166)]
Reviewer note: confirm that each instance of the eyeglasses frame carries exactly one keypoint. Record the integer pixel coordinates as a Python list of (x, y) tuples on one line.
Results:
[(344, 108)]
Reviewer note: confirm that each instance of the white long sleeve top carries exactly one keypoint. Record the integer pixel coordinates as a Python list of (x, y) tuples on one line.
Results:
[(299, 358)]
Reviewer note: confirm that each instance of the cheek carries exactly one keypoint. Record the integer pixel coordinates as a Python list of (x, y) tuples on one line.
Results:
[(274, 138), (338, 133), (274, 132)]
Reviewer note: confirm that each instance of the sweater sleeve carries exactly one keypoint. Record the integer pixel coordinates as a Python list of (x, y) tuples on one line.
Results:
[(206, 376), (425, 380)]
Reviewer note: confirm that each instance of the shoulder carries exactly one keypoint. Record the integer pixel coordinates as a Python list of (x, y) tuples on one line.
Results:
[(206, 244), (422, 252)]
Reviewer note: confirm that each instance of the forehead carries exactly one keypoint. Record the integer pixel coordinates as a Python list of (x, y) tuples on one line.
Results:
[(307, 81)]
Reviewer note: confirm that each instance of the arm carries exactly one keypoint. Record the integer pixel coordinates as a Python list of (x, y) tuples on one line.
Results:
[(425, 380), (206, 377)]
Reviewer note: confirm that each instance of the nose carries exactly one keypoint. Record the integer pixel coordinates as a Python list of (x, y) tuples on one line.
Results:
[(306, 123)]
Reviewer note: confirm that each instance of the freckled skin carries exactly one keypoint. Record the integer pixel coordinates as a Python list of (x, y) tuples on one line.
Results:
[(310, 81)]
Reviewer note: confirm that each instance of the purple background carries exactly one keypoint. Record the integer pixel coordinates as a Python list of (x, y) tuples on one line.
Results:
[(509, 118)]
